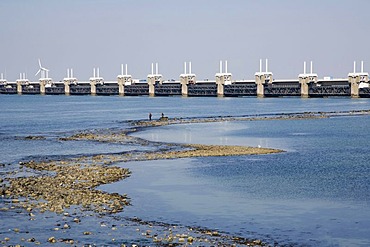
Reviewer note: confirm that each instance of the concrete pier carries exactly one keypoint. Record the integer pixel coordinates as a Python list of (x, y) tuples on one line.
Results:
[(95, 80), (67, 82), (261, 79), (222, 79), (70, 79), (43, 83), (153, 79), (22, 81), (123, 79), (305, 79), (186, 79), (356, 78)]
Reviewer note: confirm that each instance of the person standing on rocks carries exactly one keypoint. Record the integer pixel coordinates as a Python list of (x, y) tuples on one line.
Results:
[(150, 116)]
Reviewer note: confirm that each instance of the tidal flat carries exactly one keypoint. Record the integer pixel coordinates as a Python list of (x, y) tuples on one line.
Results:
[(66, 191)]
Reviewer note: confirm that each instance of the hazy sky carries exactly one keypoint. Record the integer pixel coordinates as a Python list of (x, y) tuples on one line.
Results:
[(105, 33)]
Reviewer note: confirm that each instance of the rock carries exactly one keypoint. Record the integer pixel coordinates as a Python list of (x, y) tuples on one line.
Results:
[(68, 241), (31, 240), (34, 138), (52, 240), (257, 242), (87, 233)]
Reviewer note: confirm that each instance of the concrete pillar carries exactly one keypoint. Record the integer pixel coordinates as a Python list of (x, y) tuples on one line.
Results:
[(43, 82), (93, 82), (354, 81), (305, 80), (260, 81), (122, 81), (356, 78), (220, 85), (185, 80), (152, 80), (93, 86), (222, 79), (67, 90), (121, 85), (304, 86), (19, 86), (67, 83), (262, 78), (184, 86), (151, 83)]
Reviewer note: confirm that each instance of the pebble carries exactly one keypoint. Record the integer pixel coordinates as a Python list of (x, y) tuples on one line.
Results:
[(52, 240), (258, 242)]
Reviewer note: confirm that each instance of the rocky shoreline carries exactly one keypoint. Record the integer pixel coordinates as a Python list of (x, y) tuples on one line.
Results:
[(62, 184), (72, 182)]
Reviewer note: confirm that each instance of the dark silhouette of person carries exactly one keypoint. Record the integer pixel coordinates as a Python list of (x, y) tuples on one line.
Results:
[(150, 116), (162, 115)]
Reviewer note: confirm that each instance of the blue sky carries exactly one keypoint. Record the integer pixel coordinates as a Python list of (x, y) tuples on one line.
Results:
[(96, 33)]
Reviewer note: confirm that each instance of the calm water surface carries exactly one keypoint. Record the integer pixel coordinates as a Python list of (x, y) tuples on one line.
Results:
[(316, 193)]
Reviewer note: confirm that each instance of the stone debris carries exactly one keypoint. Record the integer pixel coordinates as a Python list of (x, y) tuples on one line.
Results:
[(199, 150), (68, 184)]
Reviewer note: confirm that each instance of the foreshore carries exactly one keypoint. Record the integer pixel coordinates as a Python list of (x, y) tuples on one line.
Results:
[(257, 117), (62, 184)]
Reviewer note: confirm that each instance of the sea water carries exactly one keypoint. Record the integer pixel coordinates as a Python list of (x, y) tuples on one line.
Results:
[(315, 193)]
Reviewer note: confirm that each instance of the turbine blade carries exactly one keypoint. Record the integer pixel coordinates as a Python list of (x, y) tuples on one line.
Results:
[(38, 72), (40, 63)]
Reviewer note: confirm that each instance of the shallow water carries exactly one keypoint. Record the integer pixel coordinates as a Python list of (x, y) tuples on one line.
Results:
[(316, 193)]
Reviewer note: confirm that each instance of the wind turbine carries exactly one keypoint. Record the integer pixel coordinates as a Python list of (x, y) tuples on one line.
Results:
[(42, 70)]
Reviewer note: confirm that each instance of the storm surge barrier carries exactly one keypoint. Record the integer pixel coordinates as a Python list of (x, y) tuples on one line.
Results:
[(306, 85)]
